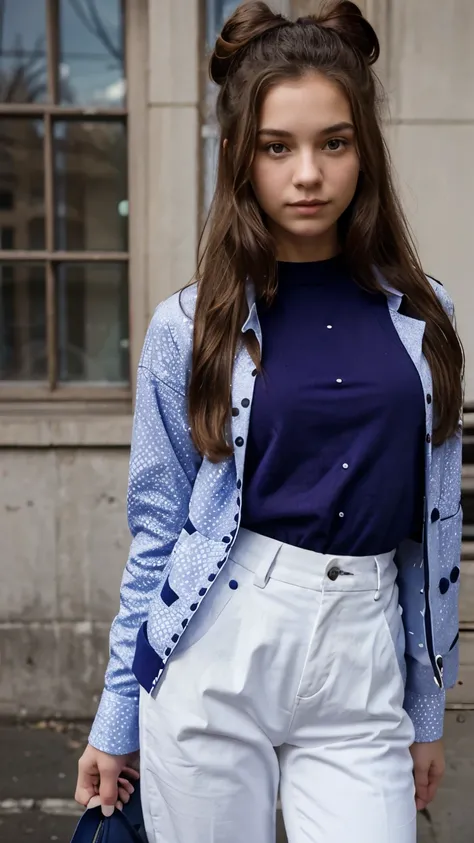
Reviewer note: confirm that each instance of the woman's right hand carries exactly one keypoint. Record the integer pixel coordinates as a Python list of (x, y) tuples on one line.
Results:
[(105, 779)]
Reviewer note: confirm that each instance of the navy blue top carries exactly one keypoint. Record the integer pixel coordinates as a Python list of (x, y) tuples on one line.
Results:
[(335, 452)]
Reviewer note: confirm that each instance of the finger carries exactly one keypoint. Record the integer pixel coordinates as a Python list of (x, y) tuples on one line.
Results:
[(420, 804), (128, 786), (422, 795), (436, 774), (131, 773), (93, 803), (124, 795), (83, 793), (119, 805), (432, 790), (421, 780), (108, 790)]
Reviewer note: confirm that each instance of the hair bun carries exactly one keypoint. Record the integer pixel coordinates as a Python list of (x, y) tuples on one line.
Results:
[(249, 21), (347, 20)]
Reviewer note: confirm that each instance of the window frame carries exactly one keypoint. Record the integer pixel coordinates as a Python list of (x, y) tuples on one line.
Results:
[(51, 392)]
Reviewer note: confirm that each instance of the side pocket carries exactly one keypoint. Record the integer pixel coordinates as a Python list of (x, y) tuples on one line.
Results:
[(220, 594), (393, 623)]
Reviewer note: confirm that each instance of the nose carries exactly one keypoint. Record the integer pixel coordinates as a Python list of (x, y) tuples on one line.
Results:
[(307, 170)]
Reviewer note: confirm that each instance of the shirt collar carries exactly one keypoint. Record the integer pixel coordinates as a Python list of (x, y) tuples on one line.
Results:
[(394, 296), (252, 322)]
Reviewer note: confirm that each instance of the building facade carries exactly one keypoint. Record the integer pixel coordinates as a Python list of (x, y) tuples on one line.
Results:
[(107, 154)]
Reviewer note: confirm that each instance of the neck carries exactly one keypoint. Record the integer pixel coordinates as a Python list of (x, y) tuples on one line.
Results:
[(296, 249)]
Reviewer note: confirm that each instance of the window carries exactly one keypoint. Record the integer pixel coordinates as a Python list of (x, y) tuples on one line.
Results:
[(216, 12), (63, 200)]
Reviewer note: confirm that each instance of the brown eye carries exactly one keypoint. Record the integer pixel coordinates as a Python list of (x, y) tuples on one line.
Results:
[(276, 148), (340, 143)]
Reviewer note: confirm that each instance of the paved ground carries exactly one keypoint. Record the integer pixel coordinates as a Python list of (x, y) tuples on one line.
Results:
[(38, 772)]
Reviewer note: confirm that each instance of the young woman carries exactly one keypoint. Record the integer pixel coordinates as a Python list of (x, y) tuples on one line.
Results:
[(288, 612)]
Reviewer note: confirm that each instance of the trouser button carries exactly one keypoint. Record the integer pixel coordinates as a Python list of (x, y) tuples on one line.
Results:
[(333, 573)]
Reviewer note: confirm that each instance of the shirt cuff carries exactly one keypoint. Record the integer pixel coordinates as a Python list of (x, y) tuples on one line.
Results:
[(115, 727), (426, 712)]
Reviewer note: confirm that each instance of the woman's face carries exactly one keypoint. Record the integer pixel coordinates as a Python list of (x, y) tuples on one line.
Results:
[(305, 153)]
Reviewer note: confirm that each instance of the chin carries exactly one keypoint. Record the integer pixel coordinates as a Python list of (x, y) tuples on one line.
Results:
[(308, 229)]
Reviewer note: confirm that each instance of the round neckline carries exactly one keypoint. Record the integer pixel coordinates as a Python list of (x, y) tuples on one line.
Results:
[(317, 273)]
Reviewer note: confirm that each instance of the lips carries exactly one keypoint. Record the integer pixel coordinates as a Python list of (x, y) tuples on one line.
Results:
[(308, 204)]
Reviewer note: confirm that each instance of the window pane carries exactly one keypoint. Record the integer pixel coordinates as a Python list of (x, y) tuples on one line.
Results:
[(92, 309), (23, 51), (23, 354), (90, 185), (91, 71), (21, 184)]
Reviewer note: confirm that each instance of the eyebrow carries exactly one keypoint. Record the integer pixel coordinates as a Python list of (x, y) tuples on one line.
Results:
[(329, 130)]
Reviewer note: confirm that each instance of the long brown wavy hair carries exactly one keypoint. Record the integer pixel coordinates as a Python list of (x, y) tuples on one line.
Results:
[(255, 51)]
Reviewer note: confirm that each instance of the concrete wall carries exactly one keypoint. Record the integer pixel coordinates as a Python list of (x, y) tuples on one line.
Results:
[(64, 545), (430, 78)]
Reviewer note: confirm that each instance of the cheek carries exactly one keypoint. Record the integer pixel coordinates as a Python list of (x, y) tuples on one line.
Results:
[(348, 176), (266, 181)]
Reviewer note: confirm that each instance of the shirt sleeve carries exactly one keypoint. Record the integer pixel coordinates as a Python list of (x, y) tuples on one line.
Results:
[(163, 467)]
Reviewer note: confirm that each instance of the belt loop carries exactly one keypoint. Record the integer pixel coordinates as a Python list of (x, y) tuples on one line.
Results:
[(264, 567), (379, 583)]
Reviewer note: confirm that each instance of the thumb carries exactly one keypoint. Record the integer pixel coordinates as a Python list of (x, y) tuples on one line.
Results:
[(108, 789)]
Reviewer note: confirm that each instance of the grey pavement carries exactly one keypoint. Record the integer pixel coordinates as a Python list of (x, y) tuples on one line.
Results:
[(38, 772)]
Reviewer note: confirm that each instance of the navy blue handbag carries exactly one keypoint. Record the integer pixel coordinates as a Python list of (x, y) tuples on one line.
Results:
[(122, 827)]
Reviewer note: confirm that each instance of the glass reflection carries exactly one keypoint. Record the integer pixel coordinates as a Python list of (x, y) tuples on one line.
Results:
[(91, 38), (23, 355), (23, 76), (90, 185), (21, 184), (92, 312)]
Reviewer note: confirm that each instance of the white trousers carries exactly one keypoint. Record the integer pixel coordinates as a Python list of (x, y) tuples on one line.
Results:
[(290, 677)]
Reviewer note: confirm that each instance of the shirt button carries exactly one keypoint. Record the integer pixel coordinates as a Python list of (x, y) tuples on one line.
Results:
[(454, 575), (429, 398), (338, 380), (345, 465), (329, 326), (428, 438), (245, 402), (239, 441), (434, 515), (341, 515), (443, 585), (333, 574), (235, 411)]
